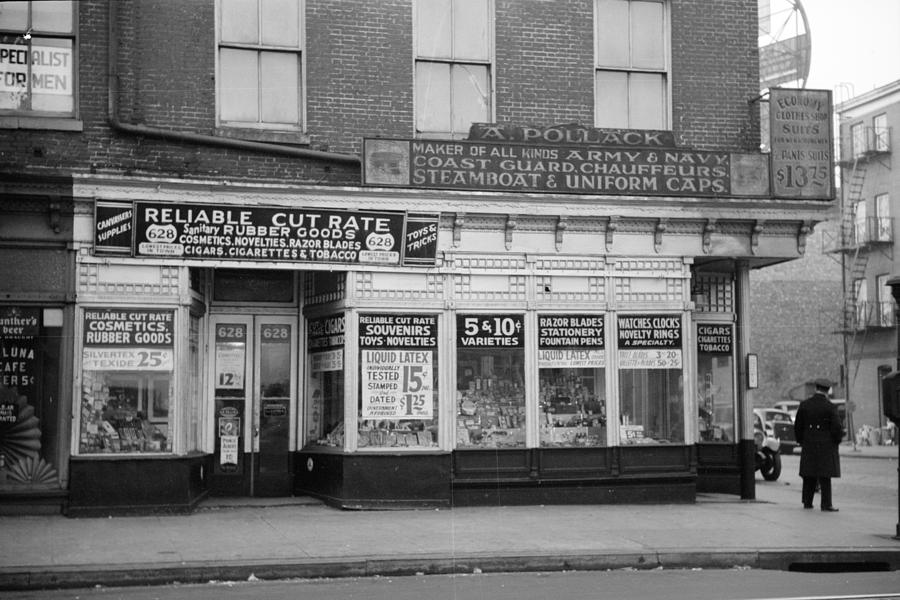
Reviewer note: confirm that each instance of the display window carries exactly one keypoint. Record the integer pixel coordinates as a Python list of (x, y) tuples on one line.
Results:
[(490, 386), (324, 416), (127, 380), (398, 369), (572, 380), (651, 379), (715, 383)]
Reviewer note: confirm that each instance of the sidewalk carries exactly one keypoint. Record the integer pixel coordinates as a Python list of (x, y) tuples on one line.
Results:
[(235, 539)]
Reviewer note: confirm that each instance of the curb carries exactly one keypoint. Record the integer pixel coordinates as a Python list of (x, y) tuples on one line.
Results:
[(40, 578)]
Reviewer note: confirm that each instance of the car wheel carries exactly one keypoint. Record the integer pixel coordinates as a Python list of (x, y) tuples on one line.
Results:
[(771, 470)]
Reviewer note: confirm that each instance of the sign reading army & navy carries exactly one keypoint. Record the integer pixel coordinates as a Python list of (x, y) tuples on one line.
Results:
[(223, 232)]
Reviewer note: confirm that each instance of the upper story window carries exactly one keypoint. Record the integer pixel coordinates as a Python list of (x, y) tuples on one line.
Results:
[(260, 64), (631, 64), (454, 54), (857, 139), (37, 59), (880, 134)]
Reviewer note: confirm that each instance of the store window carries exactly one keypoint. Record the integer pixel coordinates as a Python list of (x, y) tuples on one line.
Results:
[(651, 379), (260, 64), (37, 58), (572, 380), (127, 380), (30, 345), (631, 64), (454, 52), (490, 381), (325, 382), (715, 383), (398, 369)]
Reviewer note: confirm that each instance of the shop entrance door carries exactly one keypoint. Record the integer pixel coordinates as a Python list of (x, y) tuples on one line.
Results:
[(253, 375)]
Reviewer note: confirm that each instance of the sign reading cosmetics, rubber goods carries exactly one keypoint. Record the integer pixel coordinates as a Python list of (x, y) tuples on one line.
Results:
[(649, 341), (268, 234), (125, 339), (397, 365), (802, 143)]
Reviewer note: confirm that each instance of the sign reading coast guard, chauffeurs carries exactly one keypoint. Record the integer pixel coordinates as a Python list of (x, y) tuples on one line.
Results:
[(222, 232)]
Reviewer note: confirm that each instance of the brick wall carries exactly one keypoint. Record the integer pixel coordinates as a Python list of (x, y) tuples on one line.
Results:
[(360, 83)]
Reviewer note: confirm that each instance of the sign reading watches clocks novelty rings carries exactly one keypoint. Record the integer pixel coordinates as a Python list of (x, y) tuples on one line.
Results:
[(223, 232)]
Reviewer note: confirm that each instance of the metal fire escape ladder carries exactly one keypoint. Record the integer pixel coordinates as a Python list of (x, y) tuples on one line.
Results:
[(856, 255)]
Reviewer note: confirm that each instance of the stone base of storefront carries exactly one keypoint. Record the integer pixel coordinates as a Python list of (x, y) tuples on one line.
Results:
[(101, 485), (634, 474), (33, 501), (718, 469)]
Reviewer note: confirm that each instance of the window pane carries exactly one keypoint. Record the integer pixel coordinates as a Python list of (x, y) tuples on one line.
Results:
[(325, 382), (470, 96), (52, 75), (14, 83), (715, 383), (14, 15), (281, 23), (612, 33), (647, 36), (433, 33), (490, 386), (53, 16), (280, 87), (611, 96), (432, 97), (398, 400), (238, 81), (646, 94), (471, 36), (240, 21)]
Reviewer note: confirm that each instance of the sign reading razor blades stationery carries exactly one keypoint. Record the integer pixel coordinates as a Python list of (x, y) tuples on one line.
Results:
[(268, 234)]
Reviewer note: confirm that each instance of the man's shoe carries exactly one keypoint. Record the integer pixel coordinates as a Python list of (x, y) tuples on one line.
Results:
[(807, 506), (829, 509)]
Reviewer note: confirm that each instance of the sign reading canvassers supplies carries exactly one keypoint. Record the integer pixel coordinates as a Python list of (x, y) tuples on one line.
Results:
[(397, 365), (649, 341), (801, 140), (128, 339), (269, 234)]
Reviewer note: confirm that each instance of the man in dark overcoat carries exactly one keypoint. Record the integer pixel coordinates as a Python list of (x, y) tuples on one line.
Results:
[(819, 430)]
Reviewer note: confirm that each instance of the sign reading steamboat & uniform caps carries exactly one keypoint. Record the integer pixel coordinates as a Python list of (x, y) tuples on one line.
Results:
[(229, 232), (563, 159)]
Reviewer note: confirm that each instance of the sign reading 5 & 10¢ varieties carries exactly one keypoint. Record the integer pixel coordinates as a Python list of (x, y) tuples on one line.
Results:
[(397, 365)]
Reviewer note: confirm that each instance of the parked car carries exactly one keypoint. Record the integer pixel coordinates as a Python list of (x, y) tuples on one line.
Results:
[(768, 458), (789, 406), (779, 424)]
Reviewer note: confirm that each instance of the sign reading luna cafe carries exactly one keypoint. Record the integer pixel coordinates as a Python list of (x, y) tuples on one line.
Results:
[(227, 232), (802, 139), (128, 339), (564, 159)]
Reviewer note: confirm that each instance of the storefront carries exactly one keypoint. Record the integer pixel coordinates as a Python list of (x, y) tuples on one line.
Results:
[(519, 336)]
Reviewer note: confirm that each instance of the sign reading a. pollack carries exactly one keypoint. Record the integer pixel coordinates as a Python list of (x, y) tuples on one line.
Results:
[(221, 232)]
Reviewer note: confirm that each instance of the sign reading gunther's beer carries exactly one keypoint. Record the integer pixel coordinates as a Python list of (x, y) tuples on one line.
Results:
[(563, 159), (801, 137)]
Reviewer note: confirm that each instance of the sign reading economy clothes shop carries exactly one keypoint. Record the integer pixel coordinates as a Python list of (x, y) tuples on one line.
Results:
[(802, 143), (232, 232), (563, 159)]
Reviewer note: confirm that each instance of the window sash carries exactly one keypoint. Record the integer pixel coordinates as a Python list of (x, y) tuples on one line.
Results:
[(630, 99)]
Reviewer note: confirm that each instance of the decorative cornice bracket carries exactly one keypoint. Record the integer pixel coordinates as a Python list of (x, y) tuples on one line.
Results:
[(458, 221), (511, 221), (561, 225)]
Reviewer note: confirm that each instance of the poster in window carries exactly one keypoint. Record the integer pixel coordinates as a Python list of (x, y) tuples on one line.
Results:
[(649, 342)]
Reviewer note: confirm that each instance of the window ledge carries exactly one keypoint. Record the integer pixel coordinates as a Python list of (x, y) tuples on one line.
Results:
[(54, 123), (264, 135)]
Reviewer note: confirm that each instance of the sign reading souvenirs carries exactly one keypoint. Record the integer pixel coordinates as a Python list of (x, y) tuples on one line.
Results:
[(714, 339), (801, 140), (268, 234), (113, 227), (19, 329), (490, 331), (396, 365), (126, 339), (570, 341), (649, 341)]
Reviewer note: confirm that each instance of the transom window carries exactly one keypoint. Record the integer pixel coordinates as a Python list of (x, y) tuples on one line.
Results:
[(260, 63), (454, 52), (37, 58), (631, 68)]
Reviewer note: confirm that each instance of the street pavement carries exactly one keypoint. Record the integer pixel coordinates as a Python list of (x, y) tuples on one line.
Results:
[(240, 539)]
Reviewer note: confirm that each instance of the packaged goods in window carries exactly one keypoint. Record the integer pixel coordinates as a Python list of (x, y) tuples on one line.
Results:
[(572, 413), (115, 415), (493, 413)]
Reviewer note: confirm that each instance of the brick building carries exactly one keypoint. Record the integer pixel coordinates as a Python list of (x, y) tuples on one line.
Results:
[(401, 253)]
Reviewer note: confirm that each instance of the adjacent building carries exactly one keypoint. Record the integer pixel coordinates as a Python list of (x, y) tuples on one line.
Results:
[(399, 253)]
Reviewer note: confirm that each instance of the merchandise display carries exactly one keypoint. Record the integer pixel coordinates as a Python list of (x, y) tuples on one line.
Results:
[(114, 414), (572, 414), (491, 414)]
